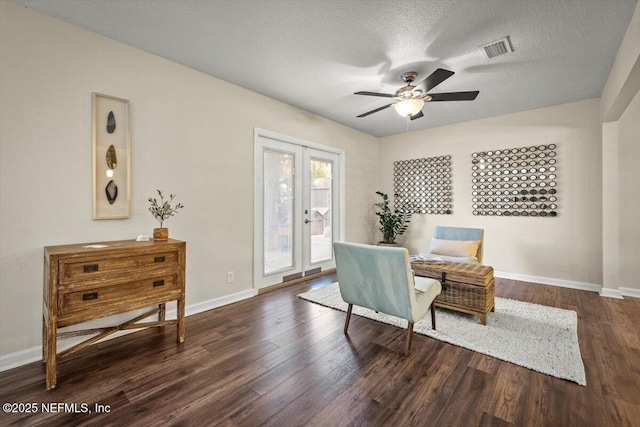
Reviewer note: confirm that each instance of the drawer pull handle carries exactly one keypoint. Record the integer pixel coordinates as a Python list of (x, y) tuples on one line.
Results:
[(90, 267), (90, 296), (158, 283), (159, 259)]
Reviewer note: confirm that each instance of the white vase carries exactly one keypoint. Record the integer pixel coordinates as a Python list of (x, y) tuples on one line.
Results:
[(394, 244)]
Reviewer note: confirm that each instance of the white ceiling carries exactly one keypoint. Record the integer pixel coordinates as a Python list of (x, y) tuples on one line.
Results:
[(314, 54)]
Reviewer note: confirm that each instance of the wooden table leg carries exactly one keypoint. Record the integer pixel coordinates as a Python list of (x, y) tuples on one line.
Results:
[(44, 339), (162, 312), (181, 320), (483, 318), (51, 349)]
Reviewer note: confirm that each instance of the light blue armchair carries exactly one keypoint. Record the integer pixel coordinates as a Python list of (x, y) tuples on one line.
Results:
[(457, 244), (380, 278)]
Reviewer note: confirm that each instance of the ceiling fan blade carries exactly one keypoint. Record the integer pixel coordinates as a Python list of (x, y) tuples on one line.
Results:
[(384, 95), (375, 111), (434, 79), (417, 115), (454, 96)]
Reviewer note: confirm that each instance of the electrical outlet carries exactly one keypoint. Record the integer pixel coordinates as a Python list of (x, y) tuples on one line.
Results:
[(229, 276)]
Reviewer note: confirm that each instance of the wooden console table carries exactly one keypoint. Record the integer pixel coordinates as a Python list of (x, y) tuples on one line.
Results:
[(93, 280)]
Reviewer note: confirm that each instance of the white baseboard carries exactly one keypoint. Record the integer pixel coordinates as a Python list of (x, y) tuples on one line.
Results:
[(630, 292), (19, 358), (619, 293), (217, 302), (549, 281), (23, 357), (611, 293)]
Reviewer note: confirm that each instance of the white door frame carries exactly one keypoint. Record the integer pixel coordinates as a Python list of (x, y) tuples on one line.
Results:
[(309, 154), (259, 135)]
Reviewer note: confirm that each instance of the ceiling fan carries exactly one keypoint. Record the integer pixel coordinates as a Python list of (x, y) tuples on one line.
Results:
[(411, 98)]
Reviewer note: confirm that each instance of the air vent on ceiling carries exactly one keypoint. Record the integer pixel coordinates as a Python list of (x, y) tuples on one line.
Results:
[(497, 48)]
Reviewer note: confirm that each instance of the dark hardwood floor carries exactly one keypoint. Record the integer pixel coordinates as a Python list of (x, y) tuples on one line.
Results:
[(277, 360)]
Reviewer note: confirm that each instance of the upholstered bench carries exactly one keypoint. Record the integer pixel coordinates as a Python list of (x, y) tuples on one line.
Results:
[(457, 244), (468, 288)]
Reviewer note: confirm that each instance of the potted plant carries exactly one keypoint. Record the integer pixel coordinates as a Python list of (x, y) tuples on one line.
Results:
[(161, 211), (392, 223)]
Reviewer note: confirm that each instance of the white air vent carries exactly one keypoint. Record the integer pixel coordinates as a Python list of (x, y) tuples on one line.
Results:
[(497, 48)]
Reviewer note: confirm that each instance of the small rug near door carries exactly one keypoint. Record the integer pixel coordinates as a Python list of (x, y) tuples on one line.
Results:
[(537, 337)]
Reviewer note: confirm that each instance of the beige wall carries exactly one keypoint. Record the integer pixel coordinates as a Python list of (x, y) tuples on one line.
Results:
[(621, 203), (568, 247), (620, 111), (610, 207), (629, 195), (624, 77), (192, 135)]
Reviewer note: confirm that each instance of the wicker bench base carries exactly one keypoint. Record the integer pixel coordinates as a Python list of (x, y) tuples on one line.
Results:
[(465, 287), (481, 314)]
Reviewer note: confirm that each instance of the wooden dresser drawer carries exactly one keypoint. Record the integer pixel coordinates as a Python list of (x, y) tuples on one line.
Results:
[(85, 269), (87, 281), (104, 301)]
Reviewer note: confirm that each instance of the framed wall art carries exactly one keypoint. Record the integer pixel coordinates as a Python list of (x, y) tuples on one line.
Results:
[(111, 157)]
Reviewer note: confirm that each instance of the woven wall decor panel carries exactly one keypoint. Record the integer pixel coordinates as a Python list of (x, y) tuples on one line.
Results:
[(519, 181), (424, 184)]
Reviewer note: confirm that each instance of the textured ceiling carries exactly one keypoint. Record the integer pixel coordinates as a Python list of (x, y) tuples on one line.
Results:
[(316, 54)]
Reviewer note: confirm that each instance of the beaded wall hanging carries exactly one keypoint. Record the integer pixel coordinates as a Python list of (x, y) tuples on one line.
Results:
[(424, 184), (515, 182)]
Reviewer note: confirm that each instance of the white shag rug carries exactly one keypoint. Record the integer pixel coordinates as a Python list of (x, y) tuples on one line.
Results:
[(535, 336)]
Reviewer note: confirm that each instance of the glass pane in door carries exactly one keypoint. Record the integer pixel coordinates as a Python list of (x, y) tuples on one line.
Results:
[(278, 210), (320, 209)]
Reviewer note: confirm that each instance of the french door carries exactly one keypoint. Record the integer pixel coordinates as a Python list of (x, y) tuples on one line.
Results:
[(298, 208)]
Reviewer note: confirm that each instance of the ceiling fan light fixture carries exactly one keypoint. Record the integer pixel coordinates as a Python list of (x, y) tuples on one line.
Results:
[(410, 99), (408, 107)]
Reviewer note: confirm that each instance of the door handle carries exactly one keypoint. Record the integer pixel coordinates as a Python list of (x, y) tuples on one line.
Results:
[(306, 221)]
